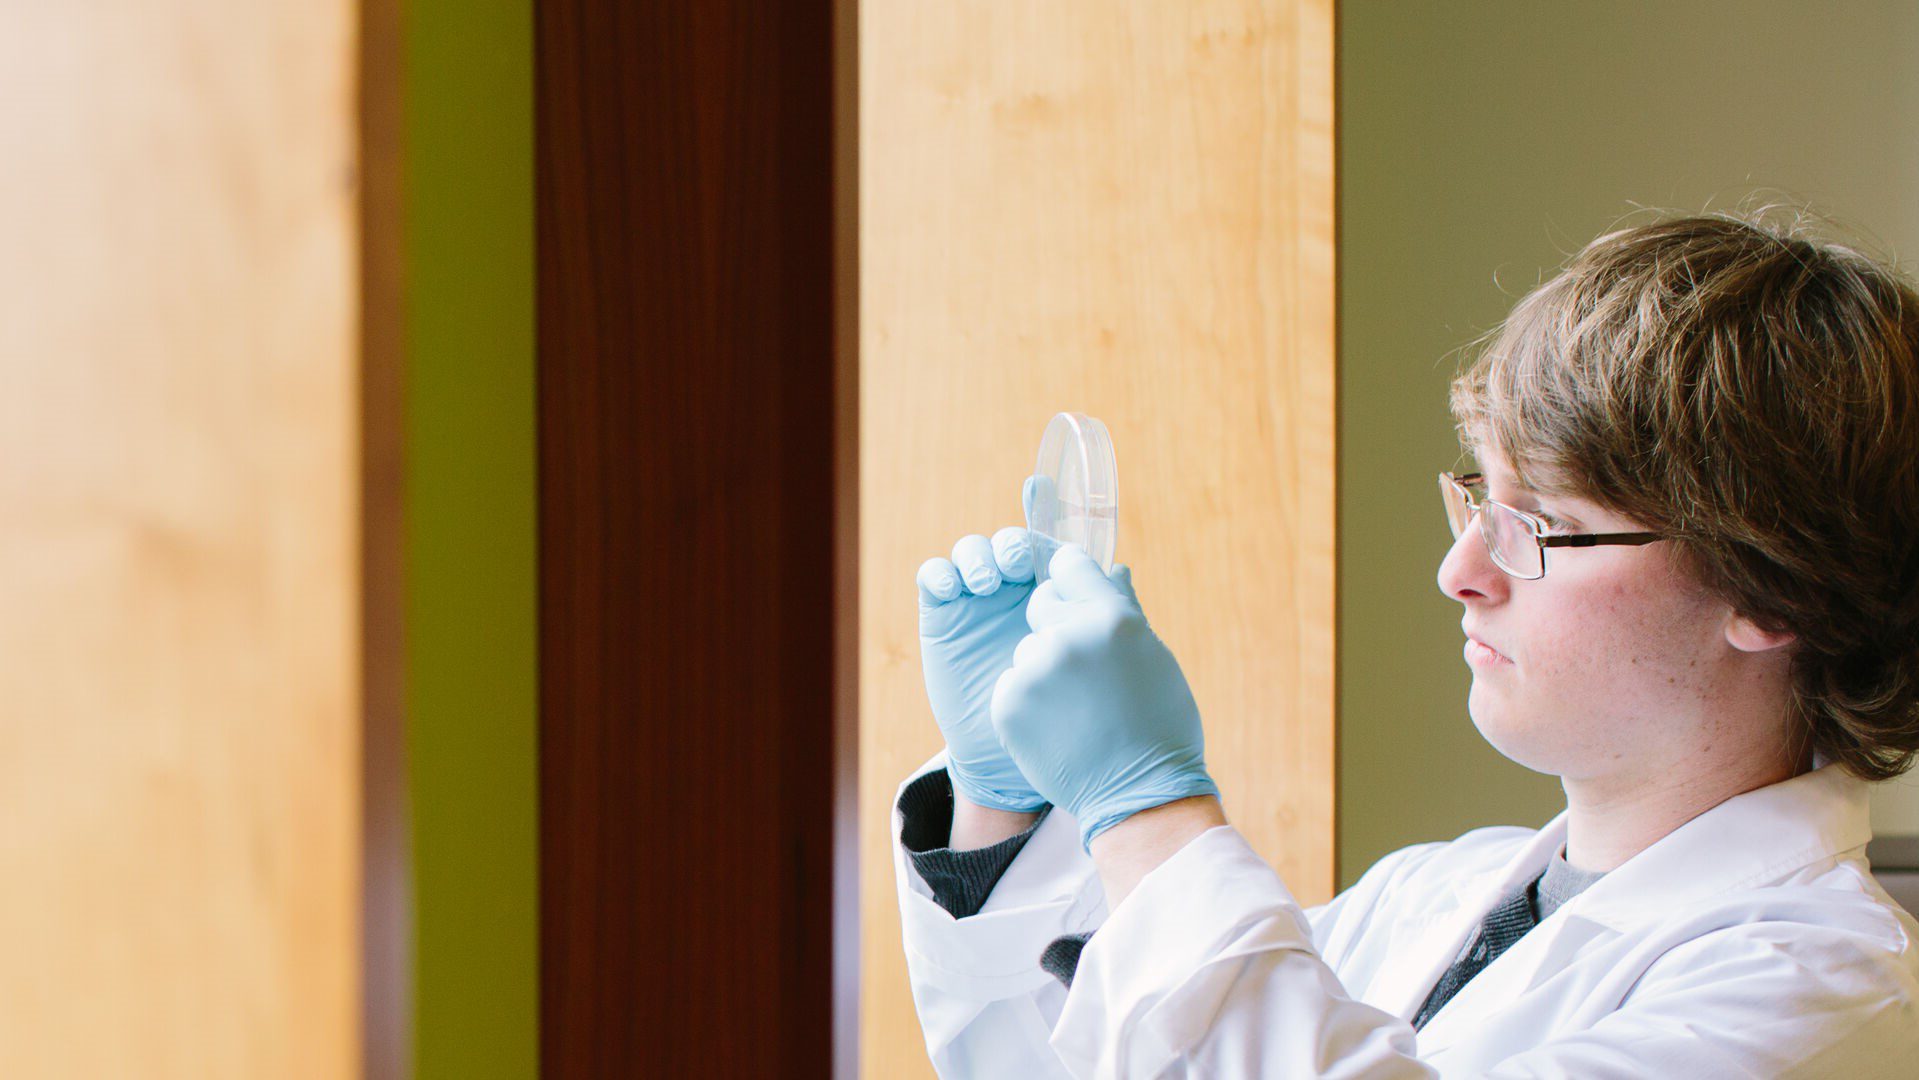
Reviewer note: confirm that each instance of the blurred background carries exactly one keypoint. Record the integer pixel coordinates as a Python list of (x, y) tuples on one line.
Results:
[(1481, 145), (463, 465)]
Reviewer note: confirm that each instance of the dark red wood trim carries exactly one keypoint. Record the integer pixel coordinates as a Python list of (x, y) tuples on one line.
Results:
[(685, 238)]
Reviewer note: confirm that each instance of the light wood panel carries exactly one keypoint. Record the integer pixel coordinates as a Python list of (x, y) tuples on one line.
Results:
[(1128, 210), (178, 551)]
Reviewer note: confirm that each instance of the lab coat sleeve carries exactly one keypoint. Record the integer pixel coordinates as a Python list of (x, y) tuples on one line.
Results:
[(985, 1005), (1768, 999), (1208, 969)]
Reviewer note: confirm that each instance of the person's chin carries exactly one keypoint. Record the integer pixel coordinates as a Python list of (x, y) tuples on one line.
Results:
[(1500, 724)]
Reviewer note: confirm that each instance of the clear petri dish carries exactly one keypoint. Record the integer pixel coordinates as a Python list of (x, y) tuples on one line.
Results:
[(1073, 495)]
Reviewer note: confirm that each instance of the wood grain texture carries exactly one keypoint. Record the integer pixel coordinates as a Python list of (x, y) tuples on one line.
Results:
[(1126, 210), (687, 442), (179, 577)]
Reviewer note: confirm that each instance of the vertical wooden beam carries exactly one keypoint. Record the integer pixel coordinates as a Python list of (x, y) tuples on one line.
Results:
[(687, 536)]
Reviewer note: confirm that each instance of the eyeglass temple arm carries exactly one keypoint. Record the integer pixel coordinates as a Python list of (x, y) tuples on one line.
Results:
[(1599, 539)]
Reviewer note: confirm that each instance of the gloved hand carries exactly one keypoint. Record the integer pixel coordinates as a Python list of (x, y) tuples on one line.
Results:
[(1095, 711), (972, 615)]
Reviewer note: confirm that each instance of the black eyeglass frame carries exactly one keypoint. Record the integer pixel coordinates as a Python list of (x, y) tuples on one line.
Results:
[(1467, 482)]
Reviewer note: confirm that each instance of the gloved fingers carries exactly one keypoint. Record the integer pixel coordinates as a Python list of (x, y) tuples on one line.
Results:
[(1013, 550), (973, 557), (1006, 689), (1033, 654), (939, 582), (1079, 577), (1122, 578), (1030, 649), (1029, 491), (1046, 608)]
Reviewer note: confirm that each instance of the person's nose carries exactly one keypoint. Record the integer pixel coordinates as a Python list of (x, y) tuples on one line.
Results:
[(1468, 571)]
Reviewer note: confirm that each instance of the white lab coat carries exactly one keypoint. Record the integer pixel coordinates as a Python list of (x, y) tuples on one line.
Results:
[(1750, 942)]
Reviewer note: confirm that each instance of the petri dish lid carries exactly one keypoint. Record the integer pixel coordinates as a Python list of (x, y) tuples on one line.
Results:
[(1073, 495)]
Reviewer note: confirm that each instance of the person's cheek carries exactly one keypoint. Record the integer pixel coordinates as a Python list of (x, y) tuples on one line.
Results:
[(1554, 684)]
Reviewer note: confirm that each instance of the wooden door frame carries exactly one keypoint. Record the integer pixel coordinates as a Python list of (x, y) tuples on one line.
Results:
[(694, 523)]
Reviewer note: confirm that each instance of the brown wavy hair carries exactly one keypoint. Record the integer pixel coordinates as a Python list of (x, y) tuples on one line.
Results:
[(1750, 390)]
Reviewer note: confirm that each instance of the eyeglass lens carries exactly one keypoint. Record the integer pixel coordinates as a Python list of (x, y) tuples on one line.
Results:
[(1510, 541)]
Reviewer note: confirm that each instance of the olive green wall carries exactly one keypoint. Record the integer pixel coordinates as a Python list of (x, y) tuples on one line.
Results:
[(471, 695), (1480, 144)]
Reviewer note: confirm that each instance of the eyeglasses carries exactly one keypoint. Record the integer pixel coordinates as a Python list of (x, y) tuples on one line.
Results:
[(1516, 540)]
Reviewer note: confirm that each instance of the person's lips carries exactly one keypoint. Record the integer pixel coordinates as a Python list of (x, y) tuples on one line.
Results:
[(1478, 652)]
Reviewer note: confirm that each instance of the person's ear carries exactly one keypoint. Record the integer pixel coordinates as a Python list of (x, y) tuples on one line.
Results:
[(1748, 636)]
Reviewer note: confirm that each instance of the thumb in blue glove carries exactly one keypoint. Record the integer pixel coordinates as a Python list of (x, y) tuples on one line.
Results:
[(1095, 711)]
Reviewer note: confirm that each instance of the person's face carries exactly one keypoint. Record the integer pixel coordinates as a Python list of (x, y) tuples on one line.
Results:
[(1610, 662)]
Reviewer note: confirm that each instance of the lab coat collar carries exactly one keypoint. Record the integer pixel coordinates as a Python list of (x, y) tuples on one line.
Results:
[(1751, 839), (1437, 936)]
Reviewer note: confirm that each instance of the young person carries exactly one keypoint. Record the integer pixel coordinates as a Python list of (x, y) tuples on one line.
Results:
[(1689, 575)]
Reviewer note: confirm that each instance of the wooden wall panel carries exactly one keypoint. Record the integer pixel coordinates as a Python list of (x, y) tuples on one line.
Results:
[(179, 590), (1128, 210)]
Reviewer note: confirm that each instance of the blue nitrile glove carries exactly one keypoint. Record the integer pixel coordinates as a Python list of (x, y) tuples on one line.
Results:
[(1095, 710), (972, 615)]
